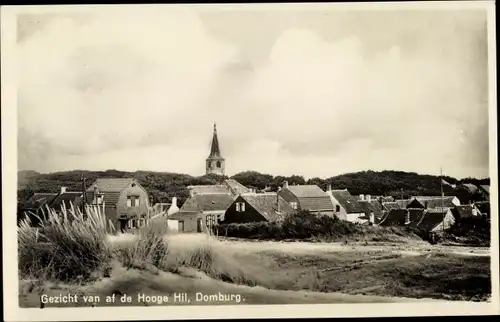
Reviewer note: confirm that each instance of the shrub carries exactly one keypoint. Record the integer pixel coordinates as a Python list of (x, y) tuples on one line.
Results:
[(150, 247), (67, 246)]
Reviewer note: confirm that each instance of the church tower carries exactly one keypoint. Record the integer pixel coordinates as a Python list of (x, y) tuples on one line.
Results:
[(215, 162)]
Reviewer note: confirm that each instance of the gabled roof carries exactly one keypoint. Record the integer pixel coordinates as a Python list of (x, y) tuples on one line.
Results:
[(110, 188), (395, 217), (391, 205), (67, 198), (430, 219), (235, 187), (267, 205), (372, 206), (347, 201), (436, 201), (463, 211), (403, 203), (208, 202), (306, 191), (38, 200), (316, 203), (210, 189), (485, 188), (183, 214), (471, 188), (111, 184)]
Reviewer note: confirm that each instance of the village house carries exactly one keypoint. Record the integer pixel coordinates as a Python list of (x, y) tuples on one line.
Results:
[(345, 205), (434, 220), (465, 211), (37, 205), (372, 209), (125, 201), (466, 192), (228, 186), (433, 202), (484, 191), (254, 207), (307, 197), (200, 211), (401, 217)]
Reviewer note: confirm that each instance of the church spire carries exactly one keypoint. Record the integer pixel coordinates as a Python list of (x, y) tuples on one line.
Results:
[(215, 150)]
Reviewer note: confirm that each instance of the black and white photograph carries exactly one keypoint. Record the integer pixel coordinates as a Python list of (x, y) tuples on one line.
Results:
[(231, 158)]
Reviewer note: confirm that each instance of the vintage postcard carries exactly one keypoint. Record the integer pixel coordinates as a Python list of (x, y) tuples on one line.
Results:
[(244, 161)]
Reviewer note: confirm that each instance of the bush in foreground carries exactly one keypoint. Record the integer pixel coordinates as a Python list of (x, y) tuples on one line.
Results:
[(67, 246), (304, 225)]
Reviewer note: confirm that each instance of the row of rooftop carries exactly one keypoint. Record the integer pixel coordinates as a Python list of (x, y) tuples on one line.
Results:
[(127, 205)]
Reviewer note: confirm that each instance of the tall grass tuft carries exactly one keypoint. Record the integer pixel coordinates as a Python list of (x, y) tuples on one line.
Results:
[(66, 246), (149, 247)]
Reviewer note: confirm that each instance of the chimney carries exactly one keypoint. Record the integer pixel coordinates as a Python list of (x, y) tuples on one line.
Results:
[(361, 197), (368, 198), (174, 201), (63, 189), (372, 217), (329, 188), (285, 184), (191, 192)]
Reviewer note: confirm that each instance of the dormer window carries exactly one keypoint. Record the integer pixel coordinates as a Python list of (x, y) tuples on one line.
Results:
[(99, 199), (294, 205)]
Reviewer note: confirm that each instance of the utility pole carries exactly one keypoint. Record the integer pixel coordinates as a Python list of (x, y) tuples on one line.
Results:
[(84, 188)]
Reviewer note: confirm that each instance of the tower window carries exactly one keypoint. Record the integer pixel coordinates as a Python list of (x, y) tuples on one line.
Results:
[(218, 164)]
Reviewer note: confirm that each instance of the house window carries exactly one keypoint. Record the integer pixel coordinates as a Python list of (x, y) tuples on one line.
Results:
[(142, 222), (131, 223), (218, 164), (240, 206), (133, 201), (99, 199), (294, 205), (337, 208)]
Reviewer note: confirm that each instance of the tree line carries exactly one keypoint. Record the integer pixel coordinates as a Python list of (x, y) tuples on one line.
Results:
[(162, 186)]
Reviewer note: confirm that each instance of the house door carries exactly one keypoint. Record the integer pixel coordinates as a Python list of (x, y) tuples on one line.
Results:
[(198, 225), (181, 226), (123, 225)]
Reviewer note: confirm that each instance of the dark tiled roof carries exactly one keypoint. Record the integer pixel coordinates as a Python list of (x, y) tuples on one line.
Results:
[(372, 206), (66, 198), (267, 205), (111, 184), (391, 205), (430, 219), (415, 214), (183, 214), (208, 202), (403, 203), (306, 191), (236, 187), (395, 217), (435, 202), (463, 211), (110, 188), (316, 203), (472, 189), (486, 188), (210, 189), (347, 201), (39, 200)]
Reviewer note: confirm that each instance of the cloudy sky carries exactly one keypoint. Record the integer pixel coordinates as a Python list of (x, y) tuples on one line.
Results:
[(315, 93)]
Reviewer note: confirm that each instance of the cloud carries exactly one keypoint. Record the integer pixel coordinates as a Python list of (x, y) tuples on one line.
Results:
[(137, 91)]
